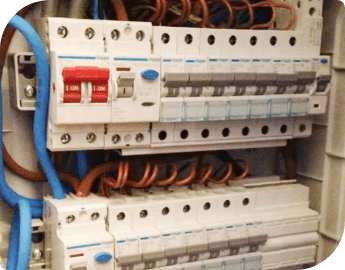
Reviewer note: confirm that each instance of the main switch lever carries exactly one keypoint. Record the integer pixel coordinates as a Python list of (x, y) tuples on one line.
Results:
[(74, 76)]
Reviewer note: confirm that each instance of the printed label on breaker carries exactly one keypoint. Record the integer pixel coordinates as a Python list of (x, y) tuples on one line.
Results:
[(194, 237), (172, 65), (233, 231), (254, 228), (240, 65), (124, 247), (195, 65), (214, 234), (218, 65), (150, 243), (172, 240)]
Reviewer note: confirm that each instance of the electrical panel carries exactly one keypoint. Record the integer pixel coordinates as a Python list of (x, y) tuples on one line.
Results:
[(149, 89), (183, 229), (142, 89)]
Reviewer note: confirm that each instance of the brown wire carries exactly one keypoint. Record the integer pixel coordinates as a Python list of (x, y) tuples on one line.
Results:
[(103, 190), (36, 176), (85, 186), (274, 14), (163, 12), (70, 179), (185, 13), (206, 176), (156, 15), (231, 15), (20, 171), (108, 182), (225, 177), (120, 9), (141, 183), (293, 17), (205, 14), (153, 177), (170, 180), (189, 179), (250, 12), (245, 170), (125, 174)]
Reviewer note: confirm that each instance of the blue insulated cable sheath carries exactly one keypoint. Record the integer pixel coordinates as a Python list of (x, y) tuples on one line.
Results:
[(95, 9), (9, 196), (81, 164), (41, 113), (18, 256)]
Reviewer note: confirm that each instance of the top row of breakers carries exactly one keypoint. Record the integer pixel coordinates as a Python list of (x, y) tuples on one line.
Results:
[(141, 38)]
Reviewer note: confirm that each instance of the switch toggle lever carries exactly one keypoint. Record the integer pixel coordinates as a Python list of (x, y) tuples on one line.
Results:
[(125, 84), (174, 82), (197, 83)]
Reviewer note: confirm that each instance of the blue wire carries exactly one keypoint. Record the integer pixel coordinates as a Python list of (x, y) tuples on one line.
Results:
[(18, 256), (9, 196), (81, 164), (41, 113), (95, 9)]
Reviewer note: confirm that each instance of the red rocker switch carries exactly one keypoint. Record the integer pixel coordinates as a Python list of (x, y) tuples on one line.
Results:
[(73, 77)]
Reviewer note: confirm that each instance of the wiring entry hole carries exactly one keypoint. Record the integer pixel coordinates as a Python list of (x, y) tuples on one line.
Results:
[(184, 134)]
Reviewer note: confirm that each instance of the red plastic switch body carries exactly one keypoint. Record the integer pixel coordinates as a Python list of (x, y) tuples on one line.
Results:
[(72, 88), (74, 76)]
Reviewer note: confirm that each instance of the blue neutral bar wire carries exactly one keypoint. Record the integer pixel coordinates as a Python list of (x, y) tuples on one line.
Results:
[(81, 164), (41, 113), (18, 256), (95, 4), (6, 193)]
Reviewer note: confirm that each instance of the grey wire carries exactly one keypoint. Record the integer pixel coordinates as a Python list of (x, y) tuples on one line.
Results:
[(50, 8), (77, 9)]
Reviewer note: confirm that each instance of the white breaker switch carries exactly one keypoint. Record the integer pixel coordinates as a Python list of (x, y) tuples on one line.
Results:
[(186, 80), (125, 85), (196, 228)]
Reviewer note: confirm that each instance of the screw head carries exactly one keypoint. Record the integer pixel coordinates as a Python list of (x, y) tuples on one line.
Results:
[(115, 139), (139, 137), (143, 214), (30, 91), (140, 35), (165, 38), (62, 31), (37, 254), (115, 34), (89, 33), (165, 211), (186, 208), (70, 219), (188, 39), (121, 216), (94, 216), (65, 138), (91, 137)]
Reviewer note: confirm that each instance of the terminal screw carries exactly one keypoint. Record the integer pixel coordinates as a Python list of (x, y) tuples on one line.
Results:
[(62, 31), (70, 219), (139, 137), (37, 254), (30, 91), (91, 137), (94, 216), (65, 138), (116, 138), (89, 33)]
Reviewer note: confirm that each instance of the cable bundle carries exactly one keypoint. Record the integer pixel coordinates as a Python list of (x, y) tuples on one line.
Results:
[(236, 14), (116, 176)]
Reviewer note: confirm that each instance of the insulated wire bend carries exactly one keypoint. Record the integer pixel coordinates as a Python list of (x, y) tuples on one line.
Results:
[(18, 256), (40, 118)]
